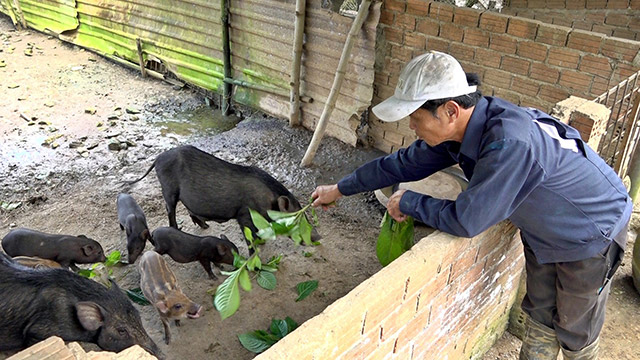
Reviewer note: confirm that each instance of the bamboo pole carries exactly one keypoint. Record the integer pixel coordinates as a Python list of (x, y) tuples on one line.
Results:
[(140, 58), (226, 88), (294, 111), (337, 83)]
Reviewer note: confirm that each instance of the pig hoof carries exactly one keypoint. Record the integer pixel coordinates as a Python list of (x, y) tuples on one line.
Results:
[(167, 340), (177, 322)]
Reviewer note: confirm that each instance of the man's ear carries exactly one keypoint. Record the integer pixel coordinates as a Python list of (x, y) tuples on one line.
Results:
[(452, 109)]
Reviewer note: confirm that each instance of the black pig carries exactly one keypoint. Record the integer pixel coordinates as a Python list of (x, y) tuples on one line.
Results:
[(48, 302), (64, 249), (133, 221), (213, 189), (184, 248)]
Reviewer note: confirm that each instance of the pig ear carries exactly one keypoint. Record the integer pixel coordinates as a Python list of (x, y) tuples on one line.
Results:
[(223, 237), (222, 249), (82, 236), (88, 250), (90, 314), (284, 204), (146, 235), (162, 306)]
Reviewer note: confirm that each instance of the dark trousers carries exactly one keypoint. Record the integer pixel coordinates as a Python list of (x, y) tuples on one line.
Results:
[(571, 297)]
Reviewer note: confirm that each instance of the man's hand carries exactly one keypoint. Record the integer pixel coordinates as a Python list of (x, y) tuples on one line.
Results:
[(393, 206), (325, 196)]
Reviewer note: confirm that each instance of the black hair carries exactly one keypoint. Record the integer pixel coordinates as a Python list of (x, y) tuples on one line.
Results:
[(465, 101)]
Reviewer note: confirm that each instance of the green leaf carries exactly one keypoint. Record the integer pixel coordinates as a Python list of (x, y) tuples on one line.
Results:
[(305, 230), (292, 325), (269, 268), (113, 258), (258, 220), (394, 239), (248, 234), (85, 272), (296, 235), (307, 254), (238, 260), (314, 216), (306, 288), (279, 328), (254, 263), (137, 296), (266, 234), (275, 215), (244, 279), (266, 280), (227, 298), (255, 341), (275, 261)]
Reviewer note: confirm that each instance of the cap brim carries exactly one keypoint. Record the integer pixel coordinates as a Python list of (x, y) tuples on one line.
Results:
[(394, 109)]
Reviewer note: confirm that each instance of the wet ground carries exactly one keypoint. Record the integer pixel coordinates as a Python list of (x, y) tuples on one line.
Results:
[(75, 126)]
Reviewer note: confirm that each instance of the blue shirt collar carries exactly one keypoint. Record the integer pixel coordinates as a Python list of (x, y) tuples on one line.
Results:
[(470, 146)]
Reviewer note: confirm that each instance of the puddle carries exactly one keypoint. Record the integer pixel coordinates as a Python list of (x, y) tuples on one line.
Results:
[(201, 120)]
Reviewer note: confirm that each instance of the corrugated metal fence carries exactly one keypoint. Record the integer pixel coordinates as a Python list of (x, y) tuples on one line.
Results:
[(185, 37)]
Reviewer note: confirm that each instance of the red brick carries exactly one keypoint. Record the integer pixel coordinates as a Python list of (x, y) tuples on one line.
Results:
[(585, 41), (476, 37), (503, 43), (555, 4), (523, 28), (401, 53), (380, 78), (441, 11), (494, 22), (532, 50), (576, 5), (437, 44), (406, 21), (624, 34), (393, 34), (428, 27), (634, 4), (544, 73), (473, 68), (536, 3), (552, 34), (414, 40), (488, 58), (552, 93), (518, 4), (600, 86), (399, 318), (617, 4), (508, 95), (497, 78), (466, 17), (394, 137), (387, 17), (564, 58), (418, 7), (395, 5), (576, 80), (544, 17), (617, 19), (597, 65), (451, 32), (564, 21), (461, 52), (620, 49), (596, 4), (515, 65), (603, 29), (364, 347)]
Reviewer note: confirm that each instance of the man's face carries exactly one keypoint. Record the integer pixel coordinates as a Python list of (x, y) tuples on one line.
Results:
[(434, 130)]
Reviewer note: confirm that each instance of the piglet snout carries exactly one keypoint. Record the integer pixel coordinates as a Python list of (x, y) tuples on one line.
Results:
[(195, 312)]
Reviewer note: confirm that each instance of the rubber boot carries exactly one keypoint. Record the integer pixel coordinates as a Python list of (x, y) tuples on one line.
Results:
[(539, 342), (588, 353)]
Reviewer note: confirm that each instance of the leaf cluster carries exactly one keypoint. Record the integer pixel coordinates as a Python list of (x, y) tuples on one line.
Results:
[(395, 238), (294, 225), (259, 340), (95, 269)]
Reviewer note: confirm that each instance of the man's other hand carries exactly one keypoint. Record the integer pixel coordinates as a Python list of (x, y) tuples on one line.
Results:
[(326, 196), (393, 206)]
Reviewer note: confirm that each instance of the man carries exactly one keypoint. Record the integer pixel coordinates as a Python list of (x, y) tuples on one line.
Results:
[(523, 165)]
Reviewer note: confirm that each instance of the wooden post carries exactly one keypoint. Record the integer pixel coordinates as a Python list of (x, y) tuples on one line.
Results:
[(294, 111), (337, 83), (226, 89), (140, 59), (634, 164)]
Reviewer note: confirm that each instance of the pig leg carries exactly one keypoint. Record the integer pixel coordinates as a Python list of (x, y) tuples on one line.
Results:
[(171, 201), (198, 220), (177, 321), (206, 264), (167, 331), (121, 227)]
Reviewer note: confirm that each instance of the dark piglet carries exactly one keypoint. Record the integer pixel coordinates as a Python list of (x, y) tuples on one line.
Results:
[(48, 302), (133, 221), (184, 248), (214, 189), (64, 249)]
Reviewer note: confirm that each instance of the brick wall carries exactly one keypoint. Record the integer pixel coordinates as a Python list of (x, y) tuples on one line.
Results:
[(522, 60), (619, 18), (448, 297)]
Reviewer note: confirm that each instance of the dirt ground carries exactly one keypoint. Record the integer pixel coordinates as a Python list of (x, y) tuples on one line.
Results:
[(62, 107)]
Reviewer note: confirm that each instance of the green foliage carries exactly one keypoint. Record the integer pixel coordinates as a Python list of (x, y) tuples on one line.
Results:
[(306, 288), (137, 296), (294, 225), (94, 270), (259, 340), (394, 239)]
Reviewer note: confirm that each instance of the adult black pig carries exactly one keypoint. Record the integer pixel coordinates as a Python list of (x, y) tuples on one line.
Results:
[(185, 248), (133, 221), (39, 303), (213, 189), (64, 249)]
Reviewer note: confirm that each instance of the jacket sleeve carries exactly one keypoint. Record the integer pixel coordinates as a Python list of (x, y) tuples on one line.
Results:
[(504, 175), (416, 162)]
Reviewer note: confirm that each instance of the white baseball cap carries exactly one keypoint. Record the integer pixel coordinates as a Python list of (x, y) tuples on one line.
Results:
[(430, 76)]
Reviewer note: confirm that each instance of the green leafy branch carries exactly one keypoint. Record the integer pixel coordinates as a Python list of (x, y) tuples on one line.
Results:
[(259, 340), (227, 295), (294, 225), (395, 238)]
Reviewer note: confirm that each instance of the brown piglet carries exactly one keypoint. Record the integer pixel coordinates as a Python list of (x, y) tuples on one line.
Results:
[(160, 286)]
